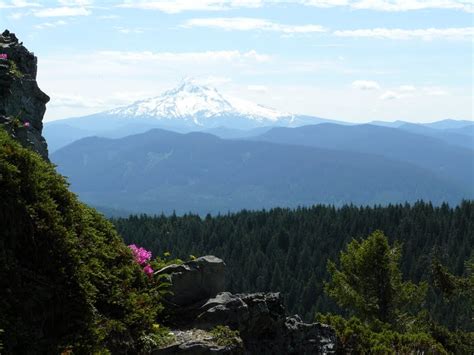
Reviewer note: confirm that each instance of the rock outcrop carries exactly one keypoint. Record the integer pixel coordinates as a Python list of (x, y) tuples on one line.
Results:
[(196, 280), (199, 303), (197, 342), (22, 103)]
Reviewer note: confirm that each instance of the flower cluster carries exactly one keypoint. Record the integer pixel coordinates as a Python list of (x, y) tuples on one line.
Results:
[(142, 256)]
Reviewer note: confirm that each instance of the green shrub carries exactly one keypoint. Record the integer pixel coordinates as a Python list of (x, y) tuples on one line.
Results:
[(224, 336), (160, 337), (67, 280), (14, 70)]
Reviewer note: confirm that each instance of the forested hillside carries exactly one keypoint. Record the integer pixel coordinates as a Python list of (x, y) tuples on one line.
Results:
[(287, 250), (162, 171), (452, 162)]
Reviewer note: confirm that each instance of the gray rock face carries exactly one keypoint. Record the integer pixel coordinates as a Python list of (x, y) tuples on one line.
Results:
[(260, 318), (225, 308), (195, 281), (22, 103), (264, 326)]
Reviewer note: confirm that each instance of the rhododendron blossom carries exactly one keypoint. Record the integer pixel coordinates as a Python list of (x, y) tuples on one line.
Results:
[(142, 256), (148, 270)]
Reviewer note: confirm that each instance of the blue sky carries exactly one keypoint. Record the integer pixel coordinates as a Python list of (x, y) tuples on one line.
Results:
[(354, 60)]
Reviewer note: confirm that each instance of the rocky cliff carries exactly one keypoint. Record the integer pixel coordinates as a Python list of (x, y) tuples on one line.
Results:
[(257, 322), (22, 103)]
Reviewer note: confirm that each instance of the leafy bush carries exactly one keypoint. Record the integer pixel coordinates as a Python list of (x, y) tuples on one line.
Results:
[(67, 280)]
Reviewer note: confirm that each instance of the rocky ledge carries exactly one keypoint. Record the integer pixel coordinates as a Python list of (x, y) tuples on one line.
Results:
[(198, 304), (22, 104)]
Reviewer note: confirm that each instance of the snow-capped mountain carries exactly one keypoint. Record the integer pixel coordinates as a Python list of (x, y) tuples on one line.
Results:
[(202, 106), (186, 108)]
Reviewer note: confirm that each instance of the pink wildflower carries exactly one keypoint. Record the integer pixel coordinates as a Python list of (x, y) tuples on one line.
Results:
[(26, 124), (3, 56), (148, 270), (141, 255)]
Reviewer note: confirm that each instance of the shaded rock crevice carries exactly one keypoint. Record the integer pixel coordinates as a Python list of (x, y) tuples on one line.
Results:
[(22, 103)]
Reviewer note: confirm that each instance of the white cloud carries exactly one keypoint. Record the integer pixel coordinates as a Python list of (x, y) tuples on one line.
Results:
[(17, 15), (409, 91), (75, 101), (248, 24), (258, 88), (366, 85), (44, 25), (64, 11), (394, 5), (126, 30), (92, 103), (177, 6), (108, 17), (206, 80), (75, 2), (435, 91), (212, 80), (403, 34), (14, 4), (206, 56), (407, 88), (390, 95)]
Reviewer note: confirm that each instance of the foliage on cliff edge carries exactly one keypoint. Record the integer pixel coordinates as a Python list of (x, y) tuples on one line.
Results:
[(67, 280)]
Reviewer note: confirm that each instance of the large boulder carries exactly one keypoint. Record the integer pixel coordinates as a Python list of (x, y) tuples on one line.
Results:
[(22, 104), (195, 280)]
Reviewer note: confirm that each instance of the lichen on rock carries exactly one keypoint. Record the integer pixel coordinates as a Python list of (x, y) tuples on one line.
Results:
[(22, 103)]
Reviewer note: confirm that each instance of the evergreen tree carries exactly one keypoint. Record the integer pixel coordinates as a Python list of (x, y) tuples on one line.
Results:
[(369, 283)]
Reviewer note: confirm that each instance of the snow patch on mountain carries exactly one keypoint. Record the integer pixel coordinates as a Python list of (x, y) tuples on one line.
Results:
[(257, 111), (191, 101)]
